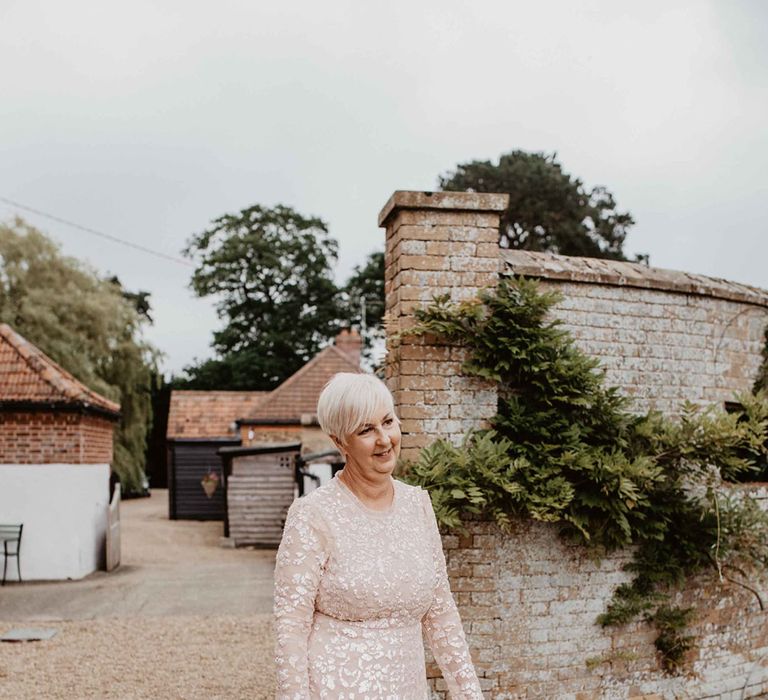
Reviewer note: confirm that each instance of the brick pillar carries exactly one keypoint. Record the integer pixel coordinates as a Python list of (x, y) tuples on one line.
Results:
[(437, 243)]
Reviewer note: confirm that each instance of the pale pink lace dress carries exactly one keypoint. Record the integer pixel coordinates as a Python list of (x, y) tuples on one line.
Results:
[(354, 588)]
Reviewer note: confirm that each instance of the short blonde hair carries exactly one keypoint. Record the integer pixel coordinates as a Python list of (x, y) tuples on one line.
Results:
[(349, 401)]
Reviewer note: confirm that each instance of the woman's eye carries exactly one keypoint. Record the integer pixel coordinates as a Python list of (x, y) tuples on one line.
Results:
[(389, 421), (365, 430)]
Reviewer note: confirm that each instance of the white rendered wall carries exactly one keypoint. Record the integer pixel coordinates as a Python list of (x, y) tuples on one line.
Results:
[(64, 511)]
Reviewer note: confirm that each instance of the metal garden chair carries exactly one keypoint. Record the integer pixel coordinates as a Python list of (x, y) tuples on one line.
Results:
[(10, 536)]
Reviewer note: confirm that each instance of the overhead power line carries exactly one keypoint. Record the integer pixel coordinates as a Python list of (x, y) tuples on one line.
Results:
[(100, 234)]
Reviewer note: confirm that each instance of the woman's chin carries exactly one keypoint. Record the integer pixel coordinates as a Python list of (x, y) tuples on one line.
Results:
[(385, 467)]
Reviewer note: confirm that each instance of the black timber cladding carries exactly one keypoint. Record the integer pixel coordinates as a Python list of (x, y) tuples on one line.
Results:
[(188, 461)]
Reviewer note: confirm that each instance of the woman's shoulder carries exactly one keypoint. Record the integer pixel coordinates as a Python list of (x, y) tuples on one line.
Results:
[(312, 509), (405, 487), (317, 498), (410, 493)]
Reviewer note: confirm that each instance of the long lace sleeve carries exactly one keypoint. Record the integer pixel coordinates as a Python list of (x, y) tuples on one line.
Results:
[(442, 625), (300, 560)]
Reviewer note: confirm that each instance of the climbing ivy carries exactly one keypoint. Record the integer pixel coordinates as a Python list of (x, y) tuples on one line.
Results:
[(565, 448)]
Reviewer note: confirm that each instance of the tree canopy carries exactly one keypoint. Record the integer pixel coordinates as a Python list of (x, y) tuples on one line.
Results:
[(549, 210), (271, 271), (89, 325)]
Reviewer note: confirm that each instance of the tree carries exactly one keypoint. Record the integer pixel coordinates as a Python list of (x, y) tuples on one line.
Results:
[(549, 210), (271, 270), (88, 326)]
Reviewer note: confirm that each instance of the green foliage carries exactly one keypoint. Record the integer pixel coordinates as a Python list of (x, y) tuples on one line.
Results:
[(271, 270), (672, 642), (564, 448), (89, 325), (549, 210)]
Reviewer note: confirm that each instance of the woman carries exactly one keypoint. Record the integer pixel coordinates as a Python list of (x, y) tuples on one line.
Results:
[(360, 571)]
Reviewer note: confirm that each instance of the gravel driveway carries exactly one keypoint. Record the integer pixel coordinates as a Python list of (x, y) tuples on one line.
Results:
[(181, 618)]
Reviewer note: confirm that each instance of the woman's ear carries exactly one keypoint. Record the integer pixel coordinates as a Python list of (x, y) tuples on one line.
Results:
[(338, 443)]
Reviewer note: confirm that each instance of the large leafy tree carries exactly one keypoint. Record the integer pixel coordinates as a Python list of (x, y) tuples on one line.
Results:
[(549, 210), (271, 272), (89, 325)]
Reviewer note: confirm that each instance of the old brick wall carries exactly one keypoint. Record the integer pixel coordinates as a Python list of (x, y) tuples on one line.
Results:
[(46, 437), (661, 336), (437, 243), (529, 601)]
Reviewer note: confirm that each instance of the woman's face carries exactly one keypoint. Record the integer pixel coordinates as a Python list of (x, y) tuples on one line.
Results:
[(374, 447)]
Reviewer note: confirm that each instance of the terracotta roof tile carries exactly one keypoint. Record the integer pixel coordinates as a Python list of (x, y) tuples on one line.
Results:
[(209, 414), (298, 394), (29, 375)]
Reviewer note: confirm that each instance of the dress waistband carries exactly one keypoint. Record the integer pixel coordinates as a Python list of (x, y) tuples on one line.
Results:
[(378, 623)]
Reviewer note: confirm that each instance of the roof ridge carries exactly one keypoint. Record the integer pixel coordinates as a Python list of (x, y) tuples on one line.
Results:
[(52, 373), (345, 356), (299, 374)]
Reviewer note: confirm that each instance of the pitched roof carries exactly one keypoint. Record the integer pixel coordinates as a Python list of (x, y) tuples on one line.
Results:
[(209, 414), (30, 376), (298, 394)]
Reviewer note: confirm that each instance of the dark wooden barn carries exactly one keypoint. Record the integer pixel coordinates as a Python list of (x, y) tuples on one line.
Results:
[(189, 462), (199, 424)]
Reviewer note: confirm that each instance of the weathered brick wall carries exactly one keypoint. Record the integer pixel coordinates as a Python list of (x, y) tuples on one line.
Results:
[(42, 437), (661, 336), (529, 601), (437, 243)]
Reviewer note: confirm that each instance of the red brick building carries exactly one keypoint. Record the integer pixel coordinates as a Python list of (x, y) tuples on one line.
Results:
[(46, 415), (55, 453)]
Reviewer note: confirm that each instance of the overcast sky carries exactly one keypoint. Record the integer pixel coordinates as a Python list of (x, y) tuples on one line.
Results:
[(148, 119)]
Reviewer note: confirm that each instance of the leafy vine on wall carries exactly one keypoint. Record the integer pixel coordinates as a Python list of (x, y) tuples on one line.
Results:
[(565, 448)]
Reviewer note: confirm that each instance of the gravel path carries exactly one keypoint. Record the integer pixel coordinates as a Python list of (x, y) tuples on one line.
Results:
[(178, 658), (181, 619)]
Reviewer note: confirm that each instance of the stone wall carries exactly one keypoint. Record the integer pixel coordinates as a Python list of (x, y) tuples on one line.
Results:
[(528, 601), (662, 336), (437, 243)]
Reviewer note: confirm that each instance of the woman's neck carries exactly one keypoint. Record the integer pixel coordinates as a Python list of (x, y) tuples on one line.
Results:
[(375, 493)]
